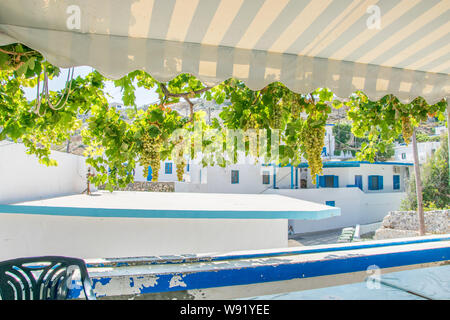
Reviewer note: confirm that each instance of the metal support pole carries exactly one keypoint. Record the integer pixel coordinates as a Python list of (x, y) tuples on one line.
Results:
[(420, 214)]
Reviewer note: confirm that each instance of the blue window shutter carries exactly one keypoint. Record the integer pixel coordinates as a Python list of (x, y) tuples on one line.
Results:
[(187, 167), (149, 176), (380, 182), (370, 183), (335, 182), (322, 181), (317, 181)]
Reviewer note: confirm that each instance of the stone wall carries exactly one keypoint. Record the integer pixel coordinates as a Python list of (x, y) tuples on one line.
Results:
[(399, 224), (147, 186)]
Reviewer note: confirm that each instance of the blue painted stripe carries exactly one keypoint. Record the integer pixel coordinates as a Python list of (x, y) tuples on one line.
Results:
[(185, 214), (337, 164), (289, 271), (195, 258), (329, 249)]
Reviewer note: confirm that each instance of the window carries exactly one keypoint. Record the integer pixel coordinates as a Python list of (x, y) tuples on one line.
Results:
[(266, 177), (396, 182), (375, 182), (187, 167), (303, 183), (403, 156), (329, 181), (168, 168), (330, 203), (234, 176)]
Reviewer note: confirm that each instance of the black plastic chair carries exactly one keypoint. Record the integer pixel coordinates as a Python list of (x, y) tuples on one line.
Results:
[(42, 278)]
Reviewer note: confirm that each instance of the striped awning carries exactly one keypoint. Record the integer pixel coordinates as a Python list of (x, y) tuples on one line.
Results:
[(379, 47)]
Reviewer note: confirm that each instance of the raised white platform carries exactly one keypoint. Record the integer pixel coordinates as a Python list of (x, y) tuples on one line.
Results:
[(130, 224)]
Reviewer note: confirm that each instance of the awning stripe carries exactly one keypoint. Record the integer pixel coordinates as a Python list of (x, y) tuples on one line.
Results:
[(303, 43), (392, 35), (335, 28)]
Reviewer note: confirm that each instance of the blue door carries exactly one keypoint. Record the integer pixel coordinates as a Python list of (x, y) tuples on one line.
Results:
[(396, 181), (359, 181)]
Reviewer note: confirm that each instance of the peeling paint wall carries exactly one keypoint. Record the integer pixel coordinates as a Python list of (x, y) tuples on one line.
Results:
[(267, 274)]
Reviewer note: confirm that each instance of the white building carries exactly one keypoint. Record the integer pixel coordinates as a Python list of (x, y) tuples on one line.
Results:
[(424, 149), (440, 130), (364, 191)]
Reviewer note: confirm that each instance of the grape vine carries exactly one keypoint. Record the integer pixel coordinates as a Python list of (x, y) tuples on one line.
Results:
[(150, 155), (407, 129)]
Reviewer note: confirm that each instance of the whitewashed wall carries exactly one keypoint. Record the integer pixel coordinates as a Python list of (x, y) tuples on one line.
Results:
[(162, 177), (33, 235), (250, 178), (22, 177), (356, 206)]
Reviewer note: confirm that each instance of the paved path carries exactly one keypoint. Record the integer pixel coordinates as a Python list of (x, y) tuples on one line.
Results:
[(314, 238)]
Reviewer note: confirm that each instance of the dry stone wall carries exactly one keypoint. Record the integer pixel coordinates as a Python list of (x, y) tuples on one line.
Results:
[(147, 186), (399, 224)]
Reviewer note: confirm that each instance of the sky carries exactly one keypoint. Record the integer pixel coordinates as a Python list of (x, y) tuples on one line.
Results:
[(143, 96)]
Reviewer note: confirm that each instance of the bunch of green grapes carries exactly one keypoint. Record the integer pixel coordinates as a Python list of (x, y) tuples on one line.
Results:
[(295, 109), (312, 139), (180, 164), (150, 155), (407, 129), (277, 117)]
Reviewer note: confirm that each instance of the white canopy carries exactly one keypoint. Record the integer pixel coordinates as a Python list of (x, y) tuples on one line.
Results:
[(305, 44)]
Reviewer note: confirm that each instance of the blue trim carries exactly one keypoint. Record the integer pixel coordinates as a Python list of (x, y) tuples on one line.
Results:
[(330, 203), (345, 164), (343, 247), (188, 214), (274, 177)]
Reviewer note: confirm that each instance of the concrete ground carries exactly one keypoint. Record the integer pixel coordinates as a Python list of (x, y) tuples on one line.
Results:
[(314, 238)]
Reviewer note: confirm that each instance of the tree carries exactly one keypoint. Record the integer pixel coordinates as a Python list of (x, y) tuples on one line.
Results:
[(435, 177), (115, 146), (382, 122)]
